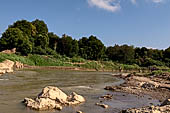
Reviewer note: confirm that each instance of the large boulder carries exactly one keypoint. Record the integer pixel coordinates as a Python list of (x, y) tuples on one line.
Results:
[(6, 66), (53, 93), (52, 98), (42, 104)]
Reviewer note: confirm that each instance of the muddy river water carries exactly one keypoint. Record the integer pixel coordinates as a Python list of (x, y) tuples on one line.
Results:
[(16, 86)]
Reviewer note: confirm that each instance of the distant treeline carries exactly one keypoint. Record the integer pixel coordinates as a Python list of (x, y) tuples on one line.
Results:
[(34, 38)]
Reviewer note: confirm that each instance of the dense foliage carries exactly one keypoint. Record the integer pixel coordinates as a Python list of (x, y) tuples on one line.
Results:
[(34, 38)]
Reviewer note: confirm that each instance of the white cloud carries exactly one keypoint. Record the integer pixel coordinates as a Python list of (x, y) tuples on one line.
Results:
[(115, 5), (109, 5), (157, 1), (133, 1)]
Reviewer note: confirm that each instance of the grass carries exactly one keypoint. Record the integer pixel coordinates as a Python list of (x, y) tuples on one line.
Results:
[(58, 60)]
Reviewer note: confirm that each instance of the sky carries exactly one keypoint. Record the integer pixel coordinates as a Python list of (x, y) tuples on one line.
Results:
[(142, 23)]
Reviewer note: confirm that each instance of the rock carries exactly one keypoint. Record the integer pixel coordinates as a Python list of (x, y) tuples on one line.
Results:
[(166, 102), (12, 51), (151, 109), (53, 93), (102, 105), (6, 66), (148, 85), (110, 88), (108, 96), (18, 65), (42, 104), (75, 99), (52, 98), (79, 112), (2, 72)]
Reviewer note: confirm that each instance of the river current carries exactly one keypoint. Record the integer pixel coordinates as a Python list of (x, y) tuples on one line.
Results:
[(14, 87)]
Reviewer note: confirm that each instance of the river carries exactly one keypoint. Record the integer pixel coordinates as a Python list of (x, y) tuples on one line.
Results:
[(14, 87)]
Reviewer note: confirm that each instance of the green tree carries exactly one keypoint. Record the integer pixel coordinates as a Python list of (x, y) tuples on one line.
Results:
[(14, 38), (65, 45), (53, 41), (41, 38), (167, 53), (27, 28), (41, 41), (41, 27), (75, 48), (122, 54), (83, 47), (91, 48)]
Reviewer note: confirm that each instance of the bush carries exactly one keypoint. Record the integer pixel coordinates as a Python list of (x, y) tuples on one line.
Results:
[(157, 72), (91, 65), (49, 51), (109, 65), (129, 67), (151, 62), (77, 59), (14, 57), (39, 50)]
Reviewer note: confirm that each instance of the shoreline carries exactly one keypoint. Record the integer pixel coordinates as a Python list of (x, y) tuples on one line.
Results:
[(141, 85), (157, 87), (73, 68)]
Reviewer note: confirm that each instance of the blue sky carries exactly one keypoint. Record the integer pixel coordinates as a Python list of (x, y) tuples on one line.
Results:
[(133, 22)]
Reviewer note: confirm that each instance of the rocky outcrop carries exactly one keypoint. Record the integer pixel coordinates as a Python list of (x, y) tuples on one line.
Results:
[(163, 108), (42, 104), (12, 51), (53, 98), (151, 109), (53, 93), (6, 66)]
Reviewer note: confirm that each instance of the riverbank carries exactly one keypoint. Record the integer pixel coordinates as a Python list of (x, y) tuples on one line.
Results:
[(63, 62), (156, 86)]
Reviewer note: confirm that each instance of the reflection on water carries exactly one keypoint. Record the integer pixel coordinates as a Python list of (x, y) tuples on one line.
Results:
[(15, 87)]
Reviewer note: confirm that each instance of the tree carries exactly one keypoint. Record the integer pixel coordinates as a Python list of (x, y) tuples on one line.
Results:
[(27, 28), (167, 53), (75, 48), (41, 38), (96, 48), (123, 54), (14, 38), (41, 41), (83, 47), (41, 27), (64, 46), (91, 48), (53, 40)]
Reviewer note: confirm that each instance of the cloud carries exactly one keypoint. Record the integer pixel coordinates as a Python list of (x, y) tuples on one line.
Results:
[(157, 1), (115, 5), (109, 5), (133, 1)]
